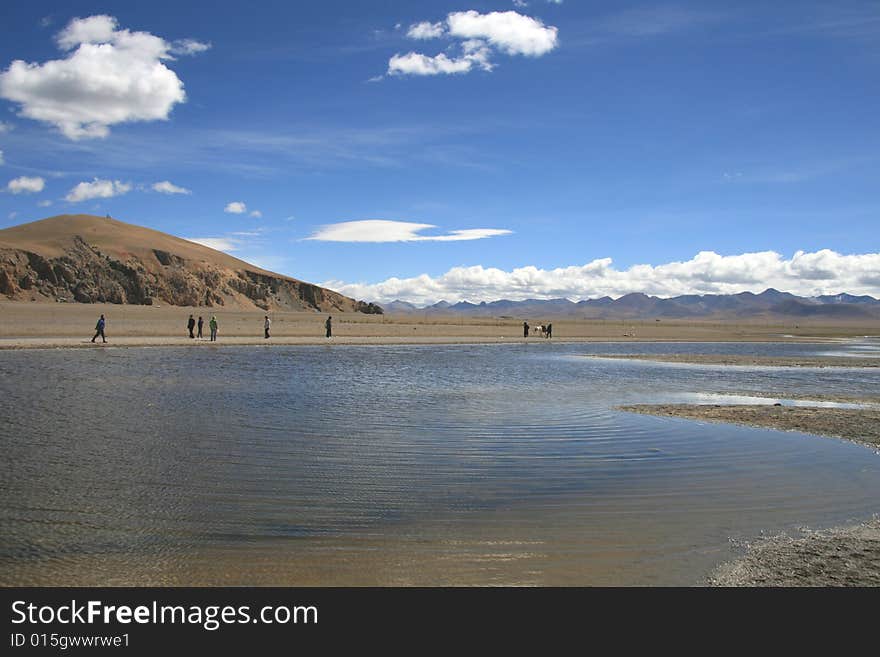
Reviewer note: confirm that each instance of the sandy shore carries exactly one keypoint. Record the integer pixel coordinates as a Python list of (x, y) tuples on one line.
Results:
[(750, 361), (24, 325), (843, 556), (859, 425)]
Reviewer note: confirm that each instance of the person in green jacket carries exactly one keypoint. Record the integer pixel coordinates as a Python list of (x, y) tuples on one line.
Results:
[(213, 326)]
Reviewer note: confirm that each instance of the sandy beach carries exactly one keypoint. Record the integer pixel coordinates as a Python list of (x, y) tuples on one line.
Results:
[(42, 325)]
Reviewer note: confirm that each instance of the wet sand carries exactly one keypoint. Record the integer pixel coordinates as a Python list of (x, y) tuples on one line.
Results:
[(750, 361), (47, 325), (858, 425), (842, 556)]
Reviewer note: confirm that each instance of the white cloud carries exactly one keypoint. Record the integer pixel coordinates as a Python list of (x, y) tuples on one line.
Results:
[(166, 187), (108, 76), (13, 214), (217, 243), (383, 230), (807, 274), (413, 63), (520, 3), (44, 204), (236, 207), (5, 127), (2, 161), (233, 242), (26, 185), (85, 191), (255, 213), (508, 31), (188, 47), (425, 30), (479, 37)]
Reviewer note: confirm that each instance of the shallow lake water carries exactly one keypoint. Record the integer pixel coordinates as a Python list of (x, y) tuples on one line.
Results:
[(484, 464)]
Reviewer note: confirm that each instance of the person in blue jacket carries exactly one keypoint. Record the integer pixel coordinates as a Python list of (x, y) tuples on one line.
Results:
[(99, 329)]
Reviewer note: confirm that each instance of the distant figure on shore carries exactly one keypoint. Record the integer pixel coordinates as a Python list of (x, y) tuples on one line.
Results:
[(549, 331), (200, 324), (213, 326), (329, 326), (266, 325), (191, 324), (99, 329), (525, 329)]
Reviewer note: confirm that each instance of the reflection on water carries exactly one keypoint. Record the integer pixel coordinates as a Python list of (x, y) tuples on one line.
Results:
[(482, 464), (715, 398)]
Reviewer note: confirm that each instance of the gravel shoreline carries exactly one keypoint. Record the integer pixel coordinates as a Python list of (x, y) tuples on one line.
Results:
[(842, 556)]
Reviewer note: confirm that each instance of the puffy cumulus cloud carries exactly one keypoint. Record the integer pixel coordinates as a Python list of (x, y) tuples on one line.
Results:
[(413, 63), (807, 274), (256, 214), (383, 230), (425, 30), (479, 37), (26, 185), (236, 207), (85, 191), (508, 31), (108, 76), (167, 187)]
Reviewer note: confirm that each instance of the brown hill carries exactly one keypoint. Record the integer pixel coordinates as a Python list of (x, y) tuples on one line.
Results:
[(101, 260)]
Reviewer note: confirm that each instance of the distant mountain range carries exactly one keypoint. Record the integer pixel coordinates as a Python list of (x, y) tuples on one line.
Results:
[(768, 304)]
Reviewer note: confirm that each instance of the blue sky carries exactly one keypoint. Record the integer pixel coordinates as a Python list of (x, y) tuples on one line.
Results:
[(574, 143)]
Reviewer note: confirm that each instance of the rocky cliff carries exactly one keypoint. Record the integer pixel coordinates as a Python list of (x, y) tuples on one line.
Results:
[(86, 259)]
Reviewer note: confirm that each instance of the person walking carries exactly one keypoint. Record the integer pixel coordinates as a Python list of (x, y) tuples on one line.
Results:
[(549, 330), (525, 329), (99, 329), (266, 325), (200, 324), (191, 324), (329, 326), (213, 326)]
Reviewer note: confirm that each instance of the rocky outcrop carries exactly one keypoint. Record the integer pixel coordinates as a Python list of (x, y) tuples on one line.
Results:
[(86, 275)]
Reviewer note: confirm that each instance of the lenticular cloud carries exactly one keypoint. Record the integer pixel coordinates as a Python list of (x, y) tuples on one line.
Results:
[(108, 76), (806, 274)]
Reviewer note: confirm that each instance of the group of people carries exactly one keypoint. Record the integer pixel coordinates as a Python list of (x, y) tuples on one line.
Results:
[(545, 329), (192, 323), (195, 327)]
